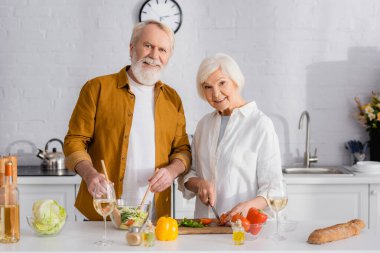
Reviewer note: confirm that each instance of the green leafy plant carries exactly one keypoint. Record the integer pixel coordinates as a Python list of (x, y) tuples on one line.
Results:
[(369, 114)]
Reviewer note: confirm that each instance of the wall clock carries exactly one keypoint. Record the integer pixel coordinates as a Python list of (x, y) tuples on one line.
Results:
[(166, 11)]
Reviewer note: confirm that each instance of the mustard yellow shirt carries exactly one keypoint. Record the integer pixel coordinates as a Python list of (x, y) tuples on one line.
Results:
[(99, 129)]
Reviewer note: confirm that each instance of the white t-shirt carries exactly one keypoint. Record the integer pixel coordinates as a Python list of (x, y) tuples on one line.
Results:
[(141, 149), (244, 163)]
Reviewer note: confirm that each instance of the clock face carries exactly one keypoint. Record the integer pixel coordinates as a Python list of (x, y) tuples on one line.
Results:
[(165, 11)]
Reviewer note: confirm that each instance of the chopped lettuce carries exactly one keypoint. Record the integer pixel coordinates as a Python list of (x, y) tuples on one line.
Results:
[(131, 216), (49, 217)]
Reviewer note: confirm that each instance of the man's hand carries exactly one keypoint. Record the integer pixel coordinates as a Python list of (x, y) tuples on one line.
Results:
[(90, 175), (164, 177)]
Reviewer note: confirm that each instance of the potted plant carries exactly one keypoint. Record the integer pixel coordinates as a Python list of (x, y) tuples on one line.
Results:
[(369, 117)]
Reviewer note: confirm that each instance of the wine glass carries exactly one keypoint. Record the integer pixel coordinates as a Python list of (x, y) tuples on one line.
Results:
[(277, 200), (104, 203)]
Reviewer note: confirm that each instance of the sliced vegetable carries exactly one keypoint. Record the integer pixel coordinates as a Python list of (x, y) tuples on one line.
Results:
[(205, 221), (223, 219), (132, 216), (244, 222), (190, 223)]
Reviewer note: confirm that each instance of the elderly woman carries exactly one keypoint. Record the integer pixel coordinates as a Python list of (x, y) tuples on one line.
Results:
[(235, 149)]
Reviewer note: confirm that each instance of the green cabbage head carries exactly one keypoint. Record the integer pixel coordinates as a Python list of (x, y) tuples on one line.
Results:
[(49, 216)]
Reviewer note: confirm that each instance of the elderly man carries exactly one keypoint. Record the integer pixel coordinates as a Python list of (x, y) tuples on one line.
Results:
[(135, 123)]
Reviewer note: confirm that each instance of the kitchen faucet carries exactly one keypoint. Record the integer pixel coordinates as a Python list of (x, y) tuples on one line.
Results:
[(307, 157)]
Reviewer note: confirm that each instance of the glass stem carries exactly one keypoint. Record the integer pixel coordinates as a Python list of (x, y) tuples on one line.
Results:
[(277, 222), (105, 227)]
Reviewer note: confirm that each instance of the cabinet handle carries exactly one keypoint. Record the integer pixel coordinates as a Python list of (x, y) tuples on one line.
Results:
[(373, 193)]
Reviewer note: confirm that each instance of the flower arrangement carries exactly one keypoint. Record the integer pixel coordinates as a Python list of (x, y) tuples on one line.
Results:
[(369, 114)]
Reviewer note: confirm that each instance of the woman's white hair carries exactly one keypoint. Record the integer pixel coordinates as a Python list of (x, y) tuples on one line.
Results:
[(139, 27), (219, 61)]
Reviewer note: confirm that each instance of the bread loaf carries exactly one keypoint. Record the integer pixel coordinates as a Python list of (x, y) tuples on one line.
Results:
[(336, 232)]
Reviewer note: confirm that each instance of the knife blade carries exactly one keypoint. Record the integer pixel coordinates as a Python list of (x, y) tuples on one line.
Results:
[(215, 213)]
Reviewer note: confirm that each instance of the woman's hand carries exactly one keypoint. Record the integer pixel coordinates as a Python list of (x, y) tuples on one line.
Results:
[(206, 192), (259, 202), (241, 208)]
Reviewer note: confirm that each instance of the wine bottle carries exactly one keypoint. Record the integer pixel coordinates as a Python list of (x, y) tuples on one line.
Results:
[(9, 208)]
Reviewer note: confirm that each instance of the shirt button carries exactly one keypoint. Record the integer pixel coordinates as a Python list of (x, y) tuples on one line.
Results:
[(125, 136), (132, 97), (122, 158), (121, 180), (130, 114)]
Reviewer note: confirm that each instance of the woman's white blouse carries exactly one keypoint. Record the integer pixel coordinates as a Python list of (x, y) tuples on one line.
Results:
[(244, 163)]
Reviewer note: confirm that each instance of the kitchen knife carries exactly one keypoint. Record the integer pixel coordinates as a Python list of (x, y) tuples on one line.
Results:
[(216, 213)]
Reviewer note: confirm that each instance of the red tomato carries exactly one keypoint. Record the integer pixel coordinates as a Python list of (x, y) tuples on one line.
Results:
[(244, 222), (255, 229), (129, 222), (223, 219), (256, 216), (205, 221)]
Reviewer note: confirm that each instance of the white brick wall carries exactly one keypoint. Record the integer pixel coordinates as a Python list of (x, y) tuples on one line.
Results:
[(313, 55)]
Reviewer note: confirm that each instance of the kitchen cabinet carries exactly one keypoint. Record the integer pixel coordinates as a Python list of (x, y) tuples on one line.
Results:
[(318, 198), (63, 194), (374, 207), (327, 202), (61, 189), (181, 208)]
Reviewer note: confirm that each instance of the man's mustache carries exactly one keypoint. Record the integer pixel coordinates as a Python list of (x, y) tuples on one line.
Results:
[(151, 61)]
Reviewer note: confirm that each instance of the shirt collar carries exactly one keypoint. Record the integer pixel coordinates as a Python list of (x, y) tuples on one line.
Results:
[(245, 110), (123, 79)]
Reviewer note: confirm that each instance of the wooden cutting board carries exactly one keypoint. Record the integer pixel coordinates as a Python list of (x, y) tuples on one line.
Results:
[(205, 230), (213, 228)]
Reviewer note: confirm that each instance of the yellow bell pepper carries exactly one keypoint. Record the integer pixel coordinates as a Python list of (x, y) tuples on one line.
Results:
[(166, 229)]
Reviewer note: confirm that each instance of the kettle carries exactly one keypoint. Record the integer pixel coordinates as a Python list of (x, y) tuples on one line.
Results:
[(52, 160)]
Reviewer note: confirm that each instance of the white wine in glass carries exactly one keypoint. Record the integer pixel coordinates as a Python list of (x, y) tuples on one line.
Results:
[(277, 200), (104, 203)]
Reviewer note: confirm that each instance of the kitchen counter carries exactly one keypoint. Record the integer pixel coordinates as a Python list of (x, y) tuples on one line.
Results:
[(332, 179), (80, 236)]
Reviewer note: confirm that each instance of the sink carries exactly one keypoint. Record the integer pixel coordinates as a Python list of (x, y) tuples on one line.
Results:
[(318, 170)]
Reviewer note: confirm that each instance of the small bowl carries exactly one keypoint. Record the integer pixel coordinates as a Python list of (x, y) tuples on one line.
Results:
[(254, 231), (125, 216), (287, 225), (31, 223)]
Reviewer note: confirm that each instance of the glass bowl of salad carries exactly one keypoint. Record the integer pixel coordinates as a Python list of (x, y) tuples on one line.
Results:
[(126, 215)]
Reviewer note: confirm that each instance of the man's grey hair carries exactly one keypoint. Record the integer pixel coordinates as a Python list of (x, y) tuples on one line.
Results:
[(139, 27)]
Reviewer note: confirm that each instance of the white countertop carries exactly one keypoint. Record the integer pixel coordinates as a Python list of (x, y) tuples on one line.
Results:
[(46, 180), (80, 236), (290, 179), (332, 179)]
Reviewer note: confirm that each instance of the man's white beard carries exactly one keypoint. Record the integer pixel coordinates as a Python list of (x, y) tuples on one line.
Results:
[(146, 76)]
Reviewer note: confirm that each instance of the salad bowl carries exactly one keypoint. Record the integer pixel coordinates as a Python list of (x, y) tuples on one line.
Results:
[(44, 231), (127, 215)]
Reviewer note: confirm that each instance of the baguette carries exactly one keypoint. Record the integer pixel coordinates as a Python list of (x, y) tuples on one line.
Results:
[(336, 232)]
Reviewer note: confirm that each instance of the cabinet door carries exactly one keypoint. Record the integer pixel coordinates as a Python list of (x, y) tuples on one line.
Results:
[(374, 207), (63, 194), (327, 202), (181, 207)]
